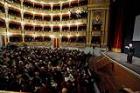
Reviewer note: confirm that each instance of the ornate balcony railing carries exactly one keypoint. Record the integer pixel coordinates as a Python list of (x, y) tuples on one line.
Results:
[(12, 17), (2, 31), (45, 23), (2, 15), (71, 44), (15, 31), (47, 44)]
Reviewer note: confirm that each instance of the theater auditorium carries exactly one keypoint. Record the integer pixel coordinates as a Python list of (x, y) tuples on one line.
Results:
[(69, 46)]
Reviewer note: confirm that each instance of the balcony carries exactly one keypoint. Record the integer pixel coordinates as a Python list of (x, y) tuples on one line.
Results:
[(57, 34), (43, 11), (47, 44), (69, 44), (55, 23), (55, 12)]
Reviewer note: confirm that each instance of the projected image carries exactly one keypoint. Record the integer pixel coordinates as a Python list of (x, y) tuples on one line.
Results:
[(136, 35)]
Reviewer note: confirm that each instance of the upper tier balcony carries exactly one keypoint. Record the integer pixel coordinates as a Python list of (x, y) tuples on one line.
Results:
[(43, 22), (53, 12), (54, 1), (34, 33), (42, 11)]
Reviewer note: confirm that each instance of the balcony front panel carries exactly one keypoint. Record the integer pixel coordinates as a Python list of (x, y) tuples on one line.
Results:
[(15, 31), (2, 15), (2, 31), (47, 44), (28, 21), (96, 33), (15, 18), (70, 44)]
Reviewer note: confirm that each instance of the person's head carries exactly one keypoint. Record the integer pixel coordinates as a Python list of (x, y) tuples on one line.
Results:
[(130, 45)]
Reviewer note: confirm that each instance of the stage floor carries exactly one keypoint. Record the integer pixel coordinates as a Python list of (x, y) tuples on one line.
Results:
[(122, 59)]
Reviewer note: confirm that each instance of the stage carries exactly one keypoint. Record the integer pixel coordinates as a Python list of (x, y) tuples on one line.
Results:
[(121, 58)]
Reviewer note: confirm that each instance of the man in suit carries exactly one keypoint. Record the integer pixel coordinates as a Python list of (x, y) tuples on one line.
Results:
[(130, 54)]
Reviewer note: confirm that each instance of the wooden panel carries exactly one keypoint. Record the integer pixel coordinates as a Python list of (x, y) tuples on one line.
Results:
[(124, 78)]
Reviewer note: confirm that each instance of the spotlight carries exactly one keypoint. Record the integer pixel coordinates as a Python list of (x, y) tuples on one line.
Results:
[(61, 35), (52, 36), (77, 35), (34, 35), (69, 35)]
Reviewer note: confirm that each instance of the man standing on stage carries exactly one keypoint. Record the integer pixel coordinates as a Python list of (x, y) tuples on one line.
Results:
[(130, 54)]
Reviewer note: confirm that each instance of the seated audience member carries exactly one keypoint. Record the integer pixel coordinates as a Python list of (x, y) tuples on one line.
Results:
[(44, 70)]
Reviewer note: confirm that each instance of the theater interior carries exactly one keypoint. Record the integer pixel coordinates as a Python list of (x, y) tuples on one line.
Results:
[(69, 46)]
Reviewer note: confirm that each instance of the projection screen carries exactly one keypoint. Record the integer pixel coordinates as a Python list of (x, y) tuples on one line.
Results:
[(136, 34)]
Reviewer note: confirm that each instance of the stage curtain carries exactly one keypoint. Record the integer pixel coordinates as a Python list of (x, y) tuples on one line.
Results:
[(119, 24)]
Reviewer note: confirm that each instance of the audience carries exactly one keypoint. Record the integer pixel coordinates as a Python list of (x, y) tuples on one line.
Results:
[(45, 70)]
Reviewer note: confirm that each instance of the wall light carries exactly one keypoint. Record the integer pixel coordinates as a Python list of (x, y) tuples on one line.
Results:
[(52, 36), (9, 34)]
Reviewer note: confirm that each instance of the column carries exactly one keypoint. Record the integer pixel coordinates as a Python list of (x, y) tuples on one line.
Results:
[(69, 27), (61, 5), (51, 18), (43, 8), (43, 34), (22, 32), (89, 29), (103, 29), (51, 25), (51, 6), (69, 4), (43, 14), (34, 35), (77, 27), (51, 28), (60, 27), (60, 17), (77, 34), (7, 34), (43, 19), (106, 28), (60, 36), (7, 39), (69, 15), (22, 21)]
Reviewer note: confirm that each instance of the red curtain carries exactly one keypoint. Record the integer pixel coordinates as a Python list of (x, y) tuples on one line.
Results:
[(117, 43)]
